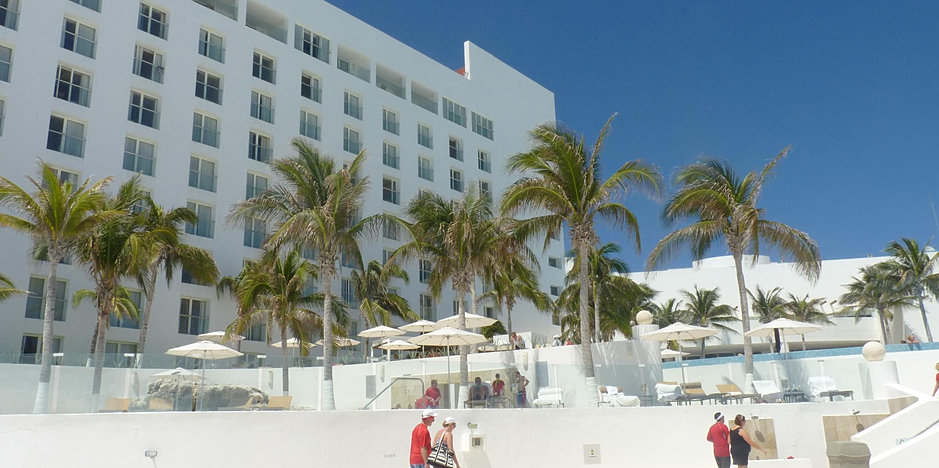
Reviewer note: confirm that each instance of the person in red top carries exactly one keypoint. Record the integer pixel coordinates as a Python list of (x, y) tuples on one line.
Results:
[(420, 440), (433, 395), (497, 386), (937, 381), (719, 435)]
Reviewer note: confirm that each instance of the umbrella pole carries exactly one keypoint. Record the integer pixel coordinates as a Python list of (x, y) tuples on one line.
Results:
[(449, 378)]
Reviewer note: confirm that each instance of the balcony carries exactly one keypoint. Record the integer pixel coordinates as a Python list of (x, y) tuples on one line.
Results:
[(354, 64), (227, 8), (266, 21), (423, 97), (390, 81)]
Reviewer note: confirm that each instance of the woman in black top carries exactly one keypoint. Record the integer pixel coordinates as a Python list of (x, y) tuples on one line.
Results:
[(740, 442)]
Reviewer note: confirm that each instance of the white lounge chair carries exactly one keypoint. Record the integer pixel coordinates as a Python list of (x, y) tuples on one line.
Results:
[(614, 396), (767, 390), (549, 396), (825, 387), (668, 391)]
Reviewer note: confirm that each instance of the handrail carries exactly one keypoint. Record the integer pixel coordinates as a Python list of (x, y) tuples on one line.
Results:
[(389, 386)]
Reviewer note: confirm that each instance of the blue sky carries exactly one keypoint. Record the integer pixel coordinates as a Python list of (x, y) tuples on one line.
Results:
[(852, 86)]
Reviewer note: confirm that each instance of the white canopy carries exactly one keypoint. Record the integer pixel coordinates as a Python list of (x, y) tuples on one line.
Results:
[(472, 321)]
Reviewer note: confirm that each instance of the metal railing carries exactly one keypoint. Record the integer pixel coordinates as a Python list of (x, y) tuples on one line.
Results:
[(389, 386)]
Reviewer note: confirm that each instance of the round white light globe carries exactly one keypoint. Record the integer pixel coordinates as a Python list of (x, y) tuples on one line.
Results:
[(873, 351), (644, 317)]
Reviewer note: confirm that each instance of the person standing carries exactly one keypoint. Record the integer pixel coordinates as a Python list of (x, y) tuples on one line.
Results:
[(521, 382), (937, 380), (433, 395), (420, 440), (719, 436), (446, 433), (740, 442)]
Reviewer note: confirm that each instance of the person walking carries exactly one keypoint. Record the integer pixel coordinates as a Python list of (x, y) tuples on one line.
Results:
[(740, 442), (420, 440), (719, 436), (446, 434)]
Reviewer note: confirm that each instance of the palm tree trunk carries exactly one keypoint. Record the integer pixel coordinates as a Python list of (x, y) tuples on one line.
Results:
[(803, 342), (596, 311), (883, 324), (327, 398), (285, 369), (104, 313), (777, 345), (744, 314), (586, 349), (145, 320), (702, 347), (922, 309), (41, 405), (464, 363)]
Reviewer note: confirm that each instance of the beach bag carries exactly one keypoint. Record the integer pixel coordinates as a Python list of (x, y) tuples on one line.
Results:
[(441, 456)]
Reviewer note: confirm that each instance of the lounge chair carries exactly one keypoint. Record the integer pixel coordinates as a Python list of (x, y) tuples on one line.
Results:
[(249, 404), (668, 391), (160, 404), (277, 403), (692, 392), (731, 392), (614, 396), (767, 391), (825, 387), (116, 405), (549, 396)]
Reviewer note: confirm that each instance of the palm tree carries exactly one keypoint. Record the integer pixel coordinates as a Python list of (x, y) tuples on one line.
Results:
[(456, 236), (315, 205), (116, 249), (273, 291), (54, 216), (8, 289), (378, 301), (562, 184), (622, 297), (723, 206), (702, 309), (169, 252), (807, 310), (666, 313), (603, 266), (875, 289), (915, 269), (769, 306)]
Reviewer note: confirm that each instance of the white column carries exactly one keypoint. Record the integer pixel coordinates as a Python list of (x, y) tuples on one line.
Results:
[(881, 374)]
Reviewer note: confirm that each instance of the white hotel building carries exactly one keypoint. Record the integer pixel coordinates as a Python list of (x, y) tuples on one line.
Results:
[(198, 96)]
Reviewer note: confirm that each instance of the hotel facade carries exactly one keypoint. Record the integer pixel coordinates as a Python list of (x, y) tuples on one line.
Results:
[(198, 96)]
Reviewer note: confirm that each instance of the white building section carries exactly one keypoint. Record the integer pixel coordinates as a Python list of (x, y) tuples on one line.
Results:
[(198, 96)]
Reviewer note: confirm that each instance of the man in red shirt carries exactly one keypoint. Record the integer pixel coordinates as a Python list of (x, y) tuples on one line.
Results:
[(433, 395), (420, 440), (719, 435)]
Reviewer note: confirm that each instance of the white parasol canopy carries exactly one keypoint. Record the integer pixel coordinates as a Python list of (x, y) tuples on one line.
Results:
[(292, 343), (785, 326), (341, 342), (420, 326), (448, 337), (671, 354), (219, 337), (204, 350), (178, 373), (680, 331), (472, 321), (398, 345), (380, 331)]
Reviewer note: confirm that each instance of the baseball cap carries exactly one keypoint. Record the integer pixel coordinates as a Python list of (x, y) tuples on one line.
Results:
[(449, 421), (429, 413), (718, 415)]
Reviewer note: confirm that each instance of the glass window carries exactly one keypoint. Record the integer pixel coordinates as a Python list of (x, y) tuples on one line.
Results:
[(211, 45), (204, 129), (66, 136), (389, 155), (263, 67), (6, 63), (555, 290), (138, 156), (485, 164), (310, 87), (92, 4), (390, 230), (256, 332), (136, 297), (428, 311), (262, 107), (208, 86), (554, 262), (73, 86), (389, 121), (425, 168), (454, 112), (78, 37), (310, 43), (193, 316), (485, 189), (148, 64), (152, 21), (351, 141), (9, 12), (143, 110), (352, 105), (201, 173), (348, 293), (424, 269), (66, 177), (309, 125), (255, 185), (386, 255), (482, 126), (255, 232), (424, 137), (259, 147), (2, 106), (456, 180), (36, 299), (205, 224), (456, 148), (389, 190)]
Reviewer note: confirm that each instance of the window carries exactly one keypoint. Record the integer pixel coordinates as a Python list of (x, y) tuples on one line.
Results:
[(555, 290), (136, 297), (482, 126), (193, 316), (2, 106), (351, 141), (138, 156), (148, 64), (152, 21), (212, 46), (456, 180), (310, 43), (456, 148), (389, 155), (259, 147), (36, 299), (346, 260), (66, 136), (347, 289), (9, 11), (489, 312), (311, 87), (255, 185), (390, 230), (262, 107), (390, 191), (352, 105), (92, 4), (456, 307), (115, 350), (208, 86), (143, 110), (424, 137), (454, 112), (205, 224), (31, 347), (424, 269), (78, 37), (255, 232), (389, 121), (309, 125), (425, 168), (485, 164), (66, 177), (204, 129), (554, 262), (485, 189), (263, 67), (256, 332), (73, 86), (386, 255), (201, 173), (187, 277), (428, 312), (6, 63)]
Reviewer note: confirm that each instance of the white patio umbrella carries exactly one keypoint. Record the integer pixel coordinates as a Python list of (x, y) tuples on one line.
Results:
[(179, 374), (679, 331), (420, 326), (671, 354), (380, 331), (204, 350), (397, 345), (219, 337), (341, 342), (448, 337), (472, 321), (785, 327), (292, 343)]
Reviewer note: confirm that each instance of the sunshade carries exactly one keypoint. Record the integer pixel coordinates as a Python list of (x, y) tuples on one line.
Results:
[(219, 337), (785, 326), (472, 321), (341, 342), (680, 331), (448, 337), (380, 331), (420, 326), (292, 343)]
